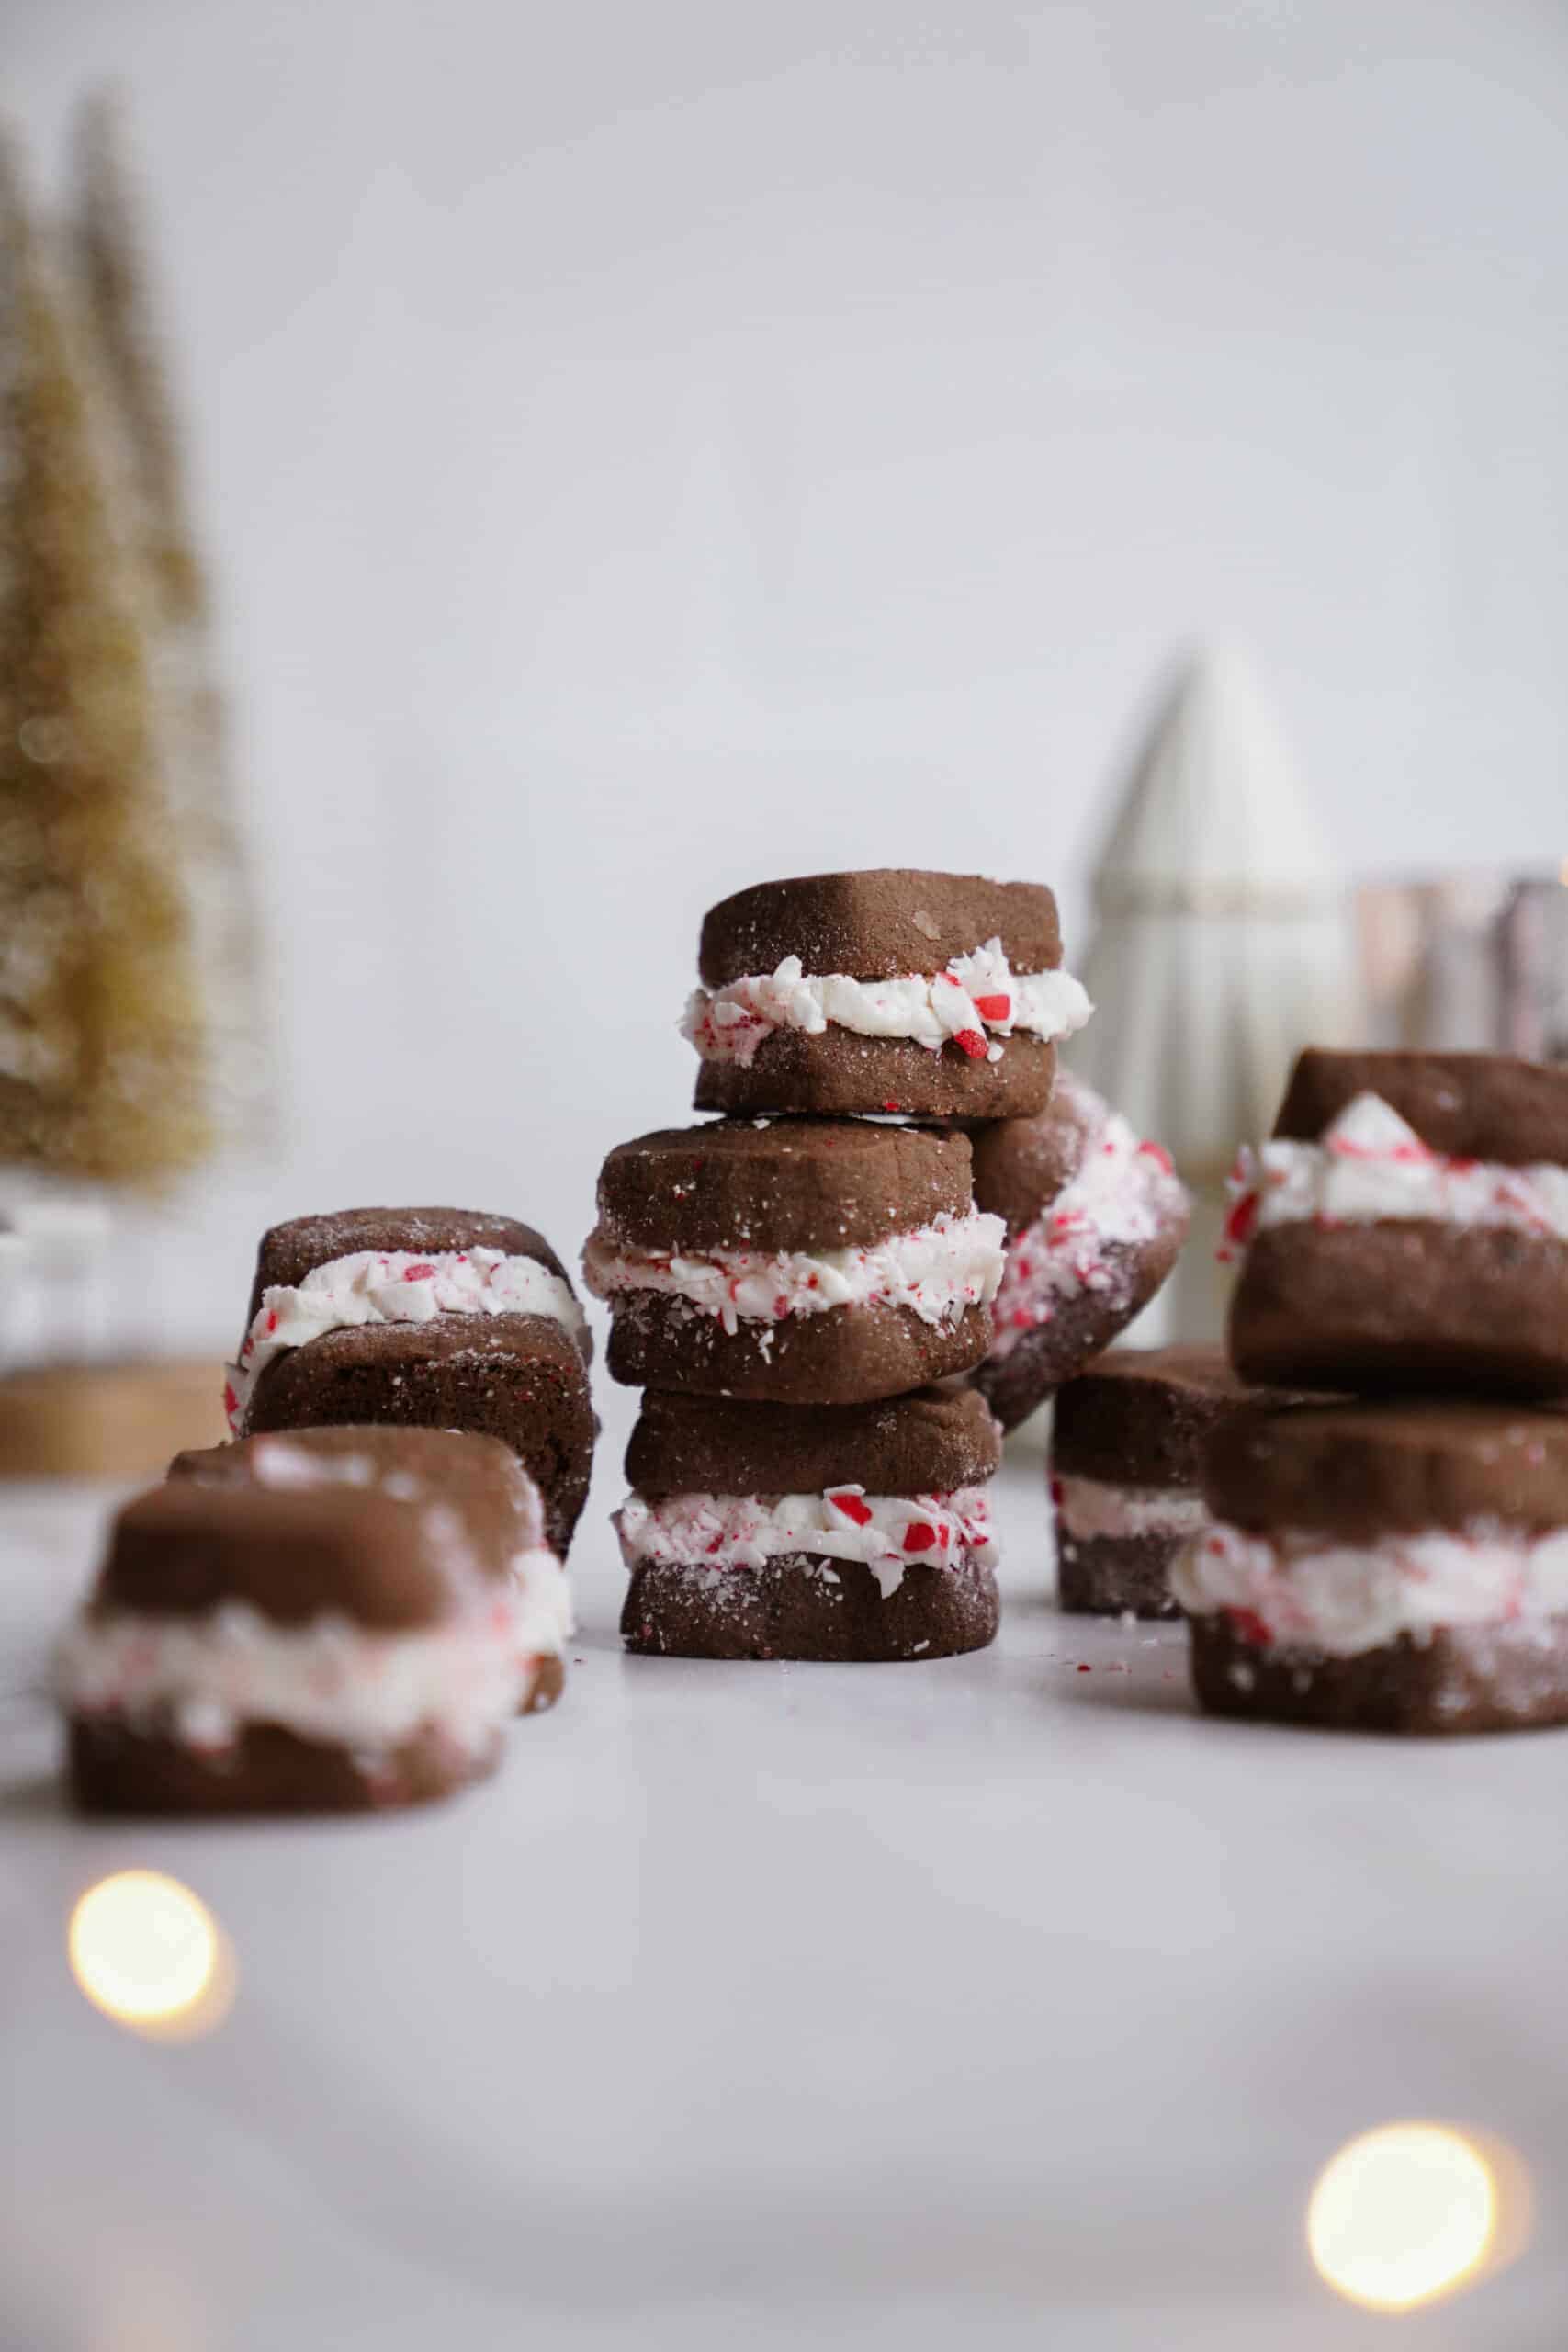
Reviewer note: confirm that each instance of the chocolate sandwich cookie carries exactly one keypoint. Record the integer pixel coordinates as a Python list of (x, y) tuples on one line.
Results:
[(431, 1318), (858, 1532), (805, 1260), (476, 1478), (1406, 1227), (264, 1643), (1095, 1218), (1384, 1566), (1127, 1446), (937, 995)]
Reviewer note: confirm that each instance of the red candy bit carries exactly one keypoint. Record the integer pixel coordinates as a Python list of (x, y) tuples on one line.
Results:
[(973, 1043), (890, 1107), (420, 1274), (853, 1507), (1248, 1626), (994, 1008), (918, 1536), (231, 1402), (1240, 1227), (272, 1320), (1057, 1491), (1084, 1668), (1158, 1154)]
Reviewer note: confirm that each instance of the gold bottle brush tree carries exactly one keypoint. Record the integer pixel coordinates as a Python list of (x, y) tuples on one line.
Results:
[(129, 1010)]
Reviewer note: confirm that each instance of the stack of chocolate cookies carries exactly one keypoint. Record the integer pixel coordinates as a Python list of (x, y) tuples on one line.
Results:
[(422, 1318), (1129, 1439), (790, 1282), (1396, 1559)]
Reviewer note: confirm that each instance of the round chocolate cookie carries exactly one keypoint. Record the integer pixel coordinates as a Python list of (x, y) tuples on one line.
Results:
[(801, 1261), (114, 1770), (797, 1606), (930, 1442), (1095, 1220), (936, 995), (1354, 1471), (854, 1533), (1465, 1679), (1407, 1228), (1394, 1566)]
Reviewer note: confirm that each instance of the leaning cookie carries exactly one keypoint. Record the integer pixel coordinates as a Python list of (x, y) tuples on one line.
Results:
[(428, 1318), (848, 1533), (477, 1479), (1095, 1219), (1395, 1568), (936, 995), (803, 1260), (319, 1645), (1407, 1228)]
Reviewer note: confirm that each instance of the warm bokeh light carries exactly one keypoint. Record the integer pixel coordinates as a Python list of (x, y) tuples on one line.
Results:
[(149, 1954), (1403, 2215)]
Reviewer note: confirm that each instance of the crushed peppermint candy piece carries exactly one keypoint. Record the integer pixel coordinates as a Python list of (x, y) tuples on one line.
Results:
[(854, 1506)]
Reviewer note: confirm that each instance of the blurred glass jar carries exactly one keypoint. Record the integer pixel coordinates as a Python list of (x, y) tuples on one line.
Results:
[(1474, 960)]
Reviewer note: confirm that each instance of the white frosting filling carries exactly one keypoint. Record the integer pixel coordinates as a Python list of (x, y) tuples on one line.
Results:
[(393, 1286), (1087, 1507), (1123, 1193), (1296, 1588), (937, 1271), (1371, 1165), (885, 1534), (977, 1000), (200, 1680)]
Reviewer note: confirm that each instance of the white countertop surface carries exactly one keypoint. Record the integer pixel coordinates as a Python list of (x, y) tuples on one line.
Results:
[(986, 2001)]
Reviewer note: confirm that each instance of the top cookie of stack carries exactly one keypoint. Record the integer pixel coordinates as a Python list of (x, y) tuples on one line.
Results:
[(1406, 1227), (930, 995)]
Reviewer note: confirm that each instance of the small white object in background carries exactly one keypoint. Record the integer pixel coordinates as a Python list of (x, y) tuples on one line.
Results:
[(1223, 945), (54, 1270)]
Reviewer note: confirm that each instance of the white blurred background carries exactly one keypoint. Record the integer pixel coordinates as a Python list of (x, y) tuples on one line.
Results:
[(645, 448)]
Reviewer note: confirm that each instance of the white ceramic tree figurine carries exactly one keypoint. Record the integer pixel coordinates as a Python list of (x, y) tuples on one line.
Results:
[(1222, 946)]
